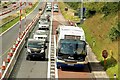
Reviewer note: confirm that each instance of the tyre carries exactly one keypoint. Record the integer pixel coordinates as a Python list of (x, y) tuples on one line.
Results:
[(28, 58)]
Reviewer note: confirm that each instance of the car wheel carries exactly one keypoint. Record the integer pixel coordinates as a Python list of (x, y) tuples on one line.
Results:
[(28, 58)]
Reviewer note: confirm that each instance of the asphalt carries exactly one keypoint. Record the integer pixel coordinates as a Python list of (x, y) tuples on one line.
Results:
[(13, 12), (9, 37), (30, 69)]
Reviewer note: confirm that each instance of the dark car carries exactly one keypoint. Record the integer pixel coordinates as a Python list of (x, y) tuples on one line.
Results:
[(5, 7), (36, 49)]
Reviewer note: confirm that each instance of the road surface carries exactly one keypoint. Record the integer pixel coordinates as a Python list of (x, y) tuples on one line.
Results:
[(30, 69), (8, 38)]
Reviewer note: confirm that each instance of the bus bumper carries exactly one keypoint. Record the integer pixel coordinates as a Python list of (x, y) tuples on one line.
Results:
[(67, 64)]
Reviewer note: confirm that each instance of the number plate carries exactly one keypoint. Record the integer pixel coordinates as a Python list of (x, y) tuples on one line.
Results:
[(70, 64)]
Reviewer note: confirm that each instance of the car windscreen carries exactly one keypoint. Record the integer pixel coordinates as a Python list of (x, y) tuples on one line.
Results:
[(43, 28), (33, 44), (72, 47), (43, 19)]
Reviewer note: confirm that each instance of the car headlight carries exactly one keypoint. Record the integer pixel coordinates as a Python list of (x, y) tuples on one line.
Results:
[(29, 50), (42, 50)]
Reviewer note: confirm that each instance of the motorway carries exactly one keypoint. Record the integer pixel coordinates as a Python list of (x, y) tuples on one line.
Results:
[(30, 69), (8, 38), (13, 11), (38, 69)]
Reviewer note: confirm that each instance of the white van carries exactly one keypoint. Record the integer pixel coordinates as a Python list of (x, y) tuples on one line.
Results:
[(41, 35)]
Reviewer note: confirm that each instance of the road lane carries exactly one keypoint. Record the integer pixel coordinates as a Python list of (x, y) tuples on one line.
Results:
[(30, 69), (71, 72), (8, 38), (12, 12)]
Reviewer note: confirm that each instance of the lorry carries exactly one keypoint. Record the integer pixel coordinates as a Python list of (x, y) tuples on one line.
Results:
[(36, 49), (71, 47)]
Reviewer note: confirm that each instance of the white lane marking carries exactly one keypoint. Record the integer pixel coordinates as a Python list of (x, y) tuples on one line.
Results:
[(56, 70), (48, 74)]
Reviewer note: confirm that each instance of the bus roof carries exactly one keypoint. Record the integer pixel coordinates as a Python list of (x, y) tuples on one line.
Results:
[(71, 30)]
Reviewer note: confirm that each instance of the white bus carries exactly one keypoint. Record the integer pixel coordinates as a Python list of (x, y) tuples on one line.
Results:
[(71, 47)]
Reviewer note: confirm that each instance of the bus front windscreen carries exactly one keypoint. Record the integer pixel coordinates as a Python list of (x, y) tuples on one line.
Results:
[(72, 47)]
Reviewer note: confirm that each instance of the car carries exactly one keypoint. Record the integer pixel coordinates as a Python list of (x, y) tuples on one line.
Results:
[(55, 5), (40, 9), (49, 6), (43, 26), (41, 35), (35, 49), (55, 10), (5, 7), (43, 19), (48, 9), (49, 3)]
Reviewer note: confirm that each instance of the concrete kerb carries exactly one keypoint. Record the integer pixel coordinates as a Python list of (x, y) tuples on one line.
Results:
[(13, 59), (49, 50)]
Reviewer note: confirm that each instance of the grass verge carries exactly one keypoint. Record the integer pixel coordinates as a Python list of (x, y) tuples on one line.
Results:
[(96, 29), (70, 12), (2, 21)]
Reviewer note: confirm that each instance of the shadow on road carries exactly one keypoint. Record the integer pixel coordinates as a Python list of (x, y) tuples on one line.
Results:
[(76, 69)]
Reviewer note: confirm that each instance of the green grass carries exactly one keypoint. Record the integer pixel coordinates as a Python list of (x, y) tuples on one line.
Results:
[(102, 42), (69, 12), (8, 25), (97, 28), (2, 21), (7, 3)]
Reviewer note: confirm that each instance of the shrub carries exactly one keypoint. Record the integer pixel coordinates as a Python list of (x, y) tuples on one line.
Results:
[(110, 7), (115, 32), (90, 13)]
